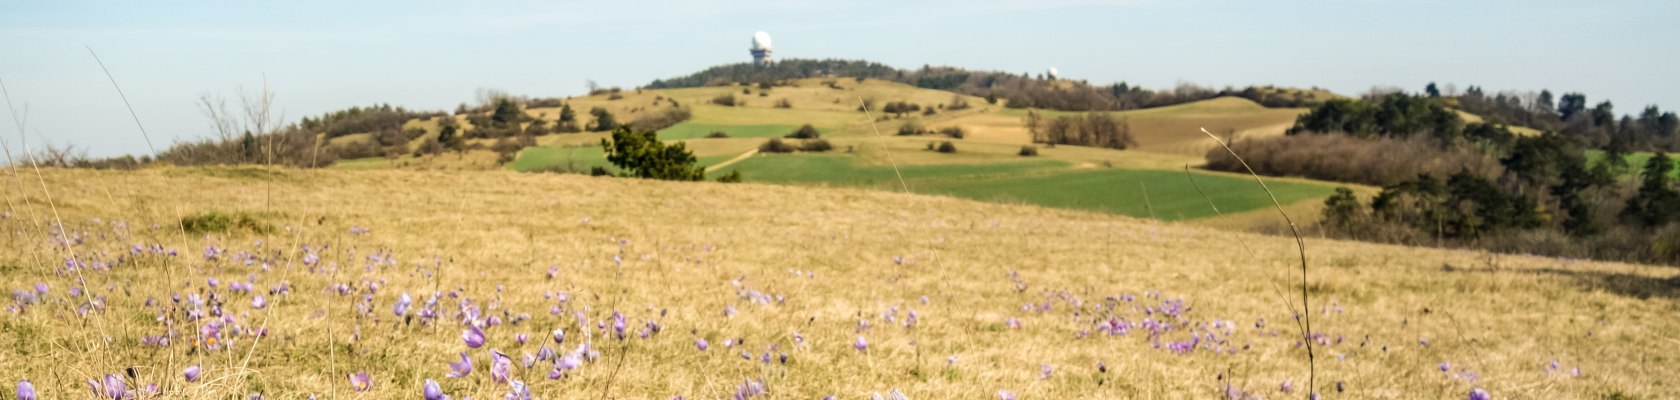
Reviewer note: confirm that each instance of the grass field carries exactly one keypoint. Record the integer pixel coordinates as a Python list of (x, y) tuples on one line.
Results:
[(863, 291), (1164, 195), (1635, 161), (1050, 183)]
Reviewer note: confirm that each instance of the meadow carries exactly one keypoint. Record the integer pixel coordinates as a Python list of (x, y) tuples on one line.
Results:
[(226, 282)]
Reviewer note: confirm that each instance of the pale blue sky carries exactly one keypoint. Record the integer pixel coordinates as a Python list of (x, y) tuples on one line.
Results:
[(325, 55)]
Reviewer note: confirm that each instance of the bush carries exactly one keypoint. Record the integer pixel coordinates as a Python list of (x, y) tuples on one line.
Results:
[(784, 103), (604, 121), (665, 118), (217, 222), (717, 135), (816, 146), (911, 128), (731, 177), (805, 132), (775, 145), (727, 100), (1029, 151), (946, 147), (953, 131)]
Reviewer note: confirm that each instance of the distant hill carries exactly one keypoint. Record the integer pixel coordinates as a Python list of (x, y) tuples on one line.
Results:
[(1013, 90)]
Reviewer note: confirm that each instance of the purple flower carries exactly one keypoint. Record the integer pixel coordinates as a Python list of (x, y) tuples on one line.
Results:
[(112, 387), (1006, 395), (191, 373), (258, 302), (1445, 366), (25, 390), (559, 335), (460, 369), (500, 367), (518, 391), (1423, 341), (473, 336), (401, 308), (701, 344), (1287, 387), (861, 344), (41, 288), (360, 382), (521, 338), (432, 391), (1479, 394), (1044, 371), (571, 361)]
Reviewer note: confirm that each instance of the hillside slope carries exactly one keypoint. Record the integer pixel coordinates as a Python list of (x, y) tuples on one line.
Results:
[(949, 298)]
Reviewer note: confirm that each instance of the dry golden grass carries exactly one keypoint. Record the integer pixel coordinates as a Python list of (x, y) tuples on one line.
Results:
[(826, 255)]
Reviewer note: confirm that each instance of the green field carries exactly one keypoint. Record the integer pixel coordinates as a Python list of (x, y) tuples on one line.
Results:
[(843, 170), (577, 158), (1635, 161), (690, 130), (1047, 183), (1166, 195)]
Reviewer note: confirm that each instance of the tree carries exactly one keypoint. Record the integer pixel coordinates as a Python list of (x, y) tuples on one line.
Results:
[(506, 112), (604, 120), (1571, 104), (1657, 202), (1432, 90), (642, 155)]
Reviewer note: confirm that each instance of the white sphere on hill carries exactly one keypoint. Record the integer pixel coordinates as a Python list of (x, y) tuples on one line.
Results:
[(1053, 73), (761, 41)]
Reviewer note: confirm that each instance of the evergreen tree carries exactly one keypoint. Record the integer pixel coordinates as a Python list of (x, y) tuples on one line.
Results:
[(642, 155)]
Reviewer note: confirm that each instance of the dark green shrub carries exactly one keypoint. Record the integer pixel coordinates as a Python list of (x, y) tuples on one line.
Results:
[(775, 145), (946, 147), (805, 132)]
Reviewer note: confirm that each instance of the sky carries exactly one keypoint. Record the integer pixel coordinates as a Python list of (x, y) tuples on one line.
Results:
[(319, 56)]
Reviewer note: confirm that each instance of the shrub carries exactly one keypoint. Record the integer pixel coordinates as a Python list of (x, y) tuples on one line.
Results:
[(910, 128), (784, 103), (218, 222), (665, 118), (805, 132), (947, 147), (604, 121), (816, 146), (731, 177), (717, 135), (1029, 151), (953, 131), (775, 145), (727, 100)]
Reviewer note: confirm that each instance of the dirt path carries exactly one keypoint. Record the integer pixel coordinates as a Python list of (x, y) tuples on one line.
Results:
[(737, 159)]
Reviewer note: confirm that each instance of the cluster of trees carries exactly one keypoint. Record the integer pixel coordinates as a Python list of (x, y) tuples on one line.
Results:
[(1094, 129), (1472, 184), (1017, 90), (382, 117), (1570, 114), (1378, 161)]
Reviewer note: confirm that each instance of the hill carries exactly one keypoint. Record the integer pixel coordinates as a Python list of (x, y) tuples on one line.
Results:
[(947, 298), (986, 165)]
